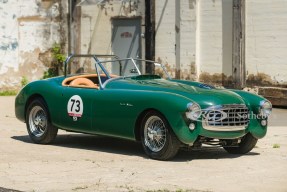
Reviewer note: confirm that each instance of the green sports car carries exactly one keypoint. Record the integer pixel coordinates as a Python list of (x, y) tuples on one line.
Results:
[(105, 95)]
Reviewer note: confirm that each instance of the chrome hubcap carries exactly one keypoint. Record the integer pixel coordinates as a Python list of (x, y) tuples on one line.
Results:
[(154, 133), (37, 121)]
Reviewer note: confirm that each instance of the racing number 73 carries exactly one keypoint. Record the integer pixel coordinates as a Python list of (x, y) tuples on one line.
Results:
[(75, 106), (78, 103)]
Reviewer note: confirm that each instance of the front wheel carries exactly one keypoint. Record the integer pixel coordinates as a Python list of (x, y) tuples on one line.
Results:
[(158, 140), (38, 123), (247, 143)]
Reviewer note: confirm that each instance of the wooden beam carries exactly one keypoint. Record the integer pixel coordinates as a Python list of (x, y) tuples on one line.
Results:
[(238, 56)]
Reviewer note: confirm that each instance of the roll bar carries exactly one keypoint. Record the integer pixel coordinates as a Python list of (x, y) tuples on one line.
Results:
[(95, 56)]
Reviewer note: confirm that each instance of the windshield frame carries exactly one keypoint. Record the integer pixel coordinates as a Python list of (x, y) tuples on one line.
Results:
[(99, 66)]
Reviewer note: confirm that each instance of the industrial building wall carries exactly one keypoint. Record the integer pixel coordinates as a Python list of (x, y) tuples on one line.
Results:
[(165, 34), (266, 42), (209, 36), (93, 24), (206, 41), (193, 37), (28, 31), (175, 27), (203, 35)]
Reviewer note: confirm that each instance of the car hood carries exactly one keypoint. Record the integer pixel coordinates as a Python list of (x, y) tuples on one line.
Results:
[(203, 96)]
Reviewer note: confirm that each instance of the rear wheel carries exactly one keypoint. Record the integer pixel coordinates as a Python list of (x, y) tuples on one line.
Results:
[(158, 140), (247, 143), (38, 123)]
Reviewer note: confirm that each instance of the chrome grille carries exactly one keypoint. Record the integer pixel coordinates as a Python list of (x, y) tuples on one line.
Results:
[(226, 118)]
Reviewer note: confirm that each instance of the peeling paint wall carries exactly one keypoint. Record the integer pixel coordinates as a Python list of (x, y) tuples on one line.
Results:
[(266, 42), (28, 31), (203, 32), (93, 27)]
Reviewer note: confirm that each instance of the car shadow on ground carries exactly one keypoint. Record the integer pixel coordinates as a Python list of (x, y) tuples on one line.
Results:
[(131, 148), (208, 153), (8, 190)]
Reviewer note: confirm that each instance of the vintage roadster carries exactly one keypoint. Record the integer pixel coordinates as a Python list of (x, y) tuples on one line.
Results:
[(105, 95)]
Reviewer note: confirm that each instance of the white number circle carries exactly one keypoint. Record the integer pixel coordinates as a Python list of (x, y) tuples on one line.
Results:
[(75, 106)]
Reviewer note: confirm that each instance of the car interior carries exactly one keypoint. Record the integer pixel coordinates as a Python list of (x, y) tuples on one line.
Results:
[(85, 81)]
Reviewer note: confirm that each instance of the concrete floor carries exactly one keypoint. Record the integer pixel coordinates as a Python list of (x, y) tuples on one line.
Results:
[(77, 162)]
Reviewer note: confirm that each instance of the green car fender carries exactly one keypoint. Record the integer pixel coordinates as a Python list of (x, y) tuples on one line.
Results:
[(173, 107), (44, 89), (253, 102)]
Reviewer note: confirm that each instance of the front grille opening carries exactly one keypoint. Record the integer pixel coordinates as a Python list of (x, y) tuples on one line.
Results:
[(227, 116)]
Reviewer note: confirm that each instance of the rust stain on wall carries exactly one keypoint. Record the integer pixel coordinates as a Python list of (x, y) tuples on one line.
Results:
[(262, 79), (217, 79), (192, 4), (31, 18), (277, 96), (189, 73), (31, 68), (46, 57), (129, 7), (186, 73)]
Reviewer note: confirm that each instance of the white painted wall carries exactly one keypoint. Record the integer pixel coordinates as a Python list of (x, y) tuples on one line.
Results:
[(95, 28), (266, 38), (8, 36), (227, 33), (167, 30), (209, 36), (188, 39), (201, 36), (28, 30), (165, 33)]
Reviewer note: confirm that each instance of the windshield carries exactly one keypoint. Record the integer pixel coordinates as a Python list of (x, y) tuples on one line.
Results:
[(109, 67), (130, 67), (83, 64), (112, 65)]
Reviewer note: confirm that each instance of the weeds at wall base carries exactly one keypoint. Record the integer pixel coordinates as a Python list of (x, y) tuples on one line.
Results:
[(8, 93)]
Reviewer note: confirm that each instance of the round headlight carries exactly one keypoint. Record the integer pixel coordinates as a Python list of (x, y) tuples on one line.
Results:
[(193, 111), (265, 109)]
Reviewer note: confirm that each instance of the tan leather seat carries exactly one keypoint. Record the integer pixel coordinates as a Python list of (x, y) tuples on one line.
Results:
[(79, 82)]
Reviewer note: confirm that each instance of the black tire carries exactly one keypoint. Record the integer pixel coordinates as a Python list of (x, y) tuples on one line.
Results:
[(247, 143), (38, 122), (162, 132)]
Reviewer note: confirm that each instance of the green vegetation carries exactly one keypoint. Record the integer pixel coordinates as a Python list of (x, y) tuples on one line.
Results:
[(276, 145), (24, 81), (8, 93), (57, 63), (50, 73), (80, 188)]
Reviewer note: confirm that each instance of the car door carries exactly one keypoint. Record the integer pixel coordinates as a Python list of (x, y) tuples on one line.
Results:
[(75, 109), (113, 115)]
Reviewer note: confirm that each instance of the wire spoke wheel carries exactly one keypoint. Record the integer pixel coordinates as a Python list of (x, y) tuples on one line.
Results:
[(157, 137), (155, 133), (37, 121)]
